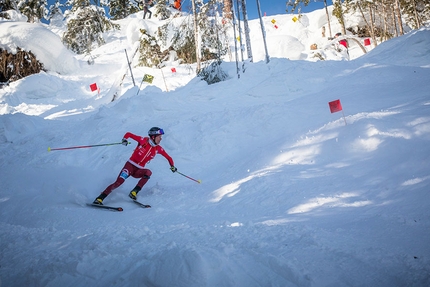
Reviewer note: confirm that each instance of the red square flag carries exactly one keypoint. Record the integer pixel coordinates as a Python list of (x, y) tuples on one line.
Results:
[(93, 87), (335, 106), (173, 70)]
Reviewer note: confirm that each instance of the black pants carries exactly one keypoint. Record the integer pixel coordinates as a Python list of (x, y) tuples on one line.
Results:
[(146, 10)]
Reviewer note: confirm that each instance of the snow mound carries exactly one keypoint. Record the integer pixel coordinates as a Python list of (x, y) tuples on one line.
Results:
[(413, 47), (33, 37)]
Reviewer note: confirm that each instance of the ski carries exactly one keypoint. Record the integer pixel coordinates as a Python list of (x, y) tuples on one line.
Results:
[(141, 204), (105, 207)]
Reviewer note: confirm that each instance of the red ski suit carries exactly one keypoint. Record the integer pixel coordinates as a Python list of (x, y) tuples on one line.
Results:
[(142, 154)]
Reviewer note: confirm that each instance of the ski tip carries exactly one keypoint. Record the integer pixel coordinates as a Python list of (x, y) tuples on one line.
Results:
[(49, 149), (199, 181), (120, 209)]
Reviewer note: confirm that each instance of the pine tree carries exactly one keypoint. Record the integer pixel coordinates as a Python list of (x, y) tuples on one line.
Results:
[(35, 10), (161, 11), (212, 32), (120, 9), (6, 5), (149, 50), (85, 26)]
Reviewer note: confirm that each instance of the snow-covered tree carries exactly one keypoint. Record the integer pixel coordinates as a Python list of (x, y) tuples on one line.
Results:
[(35, 10), (6, 5), (119, 9), (56, 14), (86, 24), (162, 11), (212, 31), (416, 12)]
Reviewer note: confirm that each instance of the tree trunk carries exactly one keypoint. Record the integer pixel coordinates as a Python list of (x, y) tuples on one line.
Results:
[(245, 24), (417, 19), (328, 19), (226, 10), (369, 25), (399, 17), (372, 26), (393, 19), (196, 36), (343, 19)]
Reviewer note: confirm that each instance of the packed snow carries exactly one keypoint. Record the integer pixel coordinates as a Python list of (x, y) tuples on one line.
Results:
[(290, 194)]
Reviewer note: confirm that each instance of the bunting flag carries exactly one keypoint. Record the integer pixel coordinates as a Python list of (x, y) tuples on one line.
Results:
[(335, 106), (93, 87), (173, 70), (148, 78)]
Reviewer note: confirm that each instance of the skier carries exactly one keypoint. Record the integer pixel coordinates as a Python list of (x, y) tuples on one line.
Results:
[(343, 42), (146, 5), (146, 150), (177, 5)]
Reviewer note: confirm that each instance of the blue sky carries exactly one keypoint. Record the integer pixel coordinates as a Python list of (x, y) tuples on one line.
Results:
[(274, 7), (271, 7)]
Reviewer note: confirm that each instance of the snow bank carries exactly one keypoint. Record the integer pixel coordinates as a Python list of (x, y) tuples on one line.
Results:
[(34, 37)]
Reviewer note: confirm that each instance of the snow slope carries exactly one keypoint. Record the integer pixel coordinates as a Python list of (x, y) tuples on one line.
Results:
[(291, 195)]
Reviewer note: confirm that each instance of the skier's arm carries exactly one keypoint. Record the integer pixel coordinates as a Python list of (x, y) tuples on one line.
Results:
[(164, 153), (133, 136)]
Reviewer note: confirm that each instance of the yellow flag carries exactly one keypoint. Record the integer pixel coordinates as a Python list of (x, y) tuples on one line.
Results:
[(273, 21), (295, 19), (238, 38), (148, 78)]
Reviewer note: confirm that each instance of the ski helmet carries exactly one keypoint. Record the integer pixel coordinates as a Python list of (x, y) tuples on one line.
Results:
[(155, 131)]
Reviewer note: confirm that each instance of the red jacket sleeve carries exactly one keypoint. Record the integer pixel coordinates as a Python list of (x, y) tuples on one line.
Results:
[(161, 151), (133, 136)]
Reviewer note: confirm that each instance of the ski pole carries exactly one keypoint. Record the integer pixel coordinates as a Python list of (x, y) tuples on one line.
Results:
[(83, 146), (199, 181)]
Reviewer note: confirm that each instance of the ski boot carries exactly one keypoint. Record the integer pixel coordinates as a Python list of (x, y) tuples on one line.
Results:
[(134, 192), (99, 199)]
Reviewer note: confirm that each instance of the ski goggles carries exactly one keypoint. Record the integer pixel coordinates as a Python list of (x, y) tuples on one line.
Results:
[(157, 132)]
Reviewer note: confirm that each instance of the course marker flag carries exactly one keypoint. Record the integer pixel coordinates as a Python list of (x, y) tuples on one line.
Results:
[(93, 87), (148, 78), (336, 106)]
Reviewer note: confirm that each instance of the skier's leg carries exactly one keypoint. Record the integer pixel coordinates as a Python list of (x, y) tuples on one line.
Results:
[(144, 175), (123, 175)]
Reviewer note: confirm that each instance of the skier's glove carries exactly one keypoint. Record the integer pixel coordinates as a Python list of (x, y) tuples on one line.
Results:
[(124, 142), (173, 168)]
